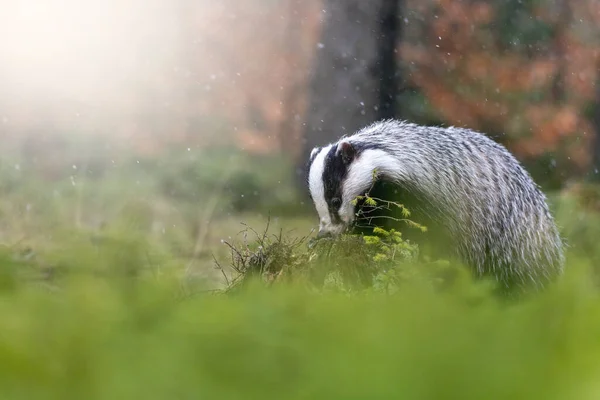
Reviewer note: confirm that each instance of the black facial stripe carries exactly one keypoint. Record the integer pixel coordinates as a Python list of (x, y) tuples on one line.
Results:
[(334, 173), (360, 147)]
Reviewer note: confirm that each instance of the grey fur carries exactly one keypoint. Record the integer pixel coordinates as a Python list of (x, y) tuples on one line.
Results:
[(490, 205)]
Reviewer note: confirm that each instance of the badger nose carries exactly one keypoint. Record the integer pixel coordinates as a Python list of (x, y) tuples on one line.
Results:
[(323, 234)]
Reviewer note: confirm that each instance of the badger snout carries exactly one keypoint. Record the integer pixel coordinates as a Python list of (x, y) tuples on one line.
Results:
[(324, 234), (331, 230)]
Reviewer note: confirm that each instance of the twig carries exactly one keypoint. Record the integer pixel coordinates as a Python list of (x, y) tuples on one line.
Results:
[(218, 266)]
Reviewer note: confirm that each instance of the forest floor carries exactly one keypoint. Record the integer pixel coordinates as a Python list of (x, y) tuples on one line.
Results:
[(97, 303)]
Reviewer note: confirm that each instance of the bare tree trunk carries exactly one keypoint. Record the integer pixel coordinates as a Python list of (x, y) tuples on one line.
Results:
[(390, 33), (354, 78)]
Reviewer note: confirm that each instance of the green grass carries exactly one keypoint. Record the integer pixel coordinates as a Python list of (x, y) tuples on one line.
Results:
[(182, 205), (117, 322), (102, 338), (106, 293)]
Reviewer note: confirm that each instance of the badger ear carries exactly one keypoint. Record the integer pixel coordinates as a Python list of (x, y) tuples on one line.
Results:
[(314, 152), (347, 151)]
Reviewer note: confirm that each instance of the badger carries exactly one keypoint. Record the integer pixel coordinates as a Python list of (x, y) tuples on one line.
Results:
[(496, 217)]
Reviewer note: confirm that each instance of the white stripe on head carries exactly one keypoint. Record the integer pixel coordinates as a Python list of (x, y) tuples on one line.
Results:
[(360, 172), (317, 188), (360, 178)]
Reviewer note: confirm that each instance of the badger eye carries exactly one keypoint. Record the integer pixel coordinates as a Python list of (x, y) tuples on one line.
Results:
[(336, 202)]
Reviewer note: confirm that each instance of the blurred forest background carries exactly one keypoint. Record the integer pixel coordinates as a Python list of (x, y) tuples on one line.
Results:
[(140, 137), (179, 114)]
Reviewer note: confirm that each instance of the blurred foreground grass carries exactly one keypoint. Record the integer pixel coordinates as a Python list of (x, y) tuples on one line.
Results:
[(116, 337), (97, 302)]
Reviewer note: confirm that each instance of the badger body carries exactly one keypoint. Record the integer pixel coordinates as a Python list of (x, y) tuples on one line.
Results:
[(497, 217)]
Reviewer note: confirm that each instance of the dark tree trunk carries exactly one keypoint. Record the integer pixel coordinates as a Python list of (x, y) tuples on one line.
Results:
[(354, 81), (390, 33)]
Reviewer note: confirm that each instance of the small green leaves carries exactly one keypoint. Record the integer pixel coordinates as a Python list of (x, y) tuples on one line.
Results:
[(381, 231), (380, 257), (356, 199), (370, 202), (371, 240)]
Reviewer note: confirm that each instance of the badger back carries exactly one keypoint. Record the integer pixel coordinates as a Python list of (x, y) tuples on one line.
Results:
[(492, 207)]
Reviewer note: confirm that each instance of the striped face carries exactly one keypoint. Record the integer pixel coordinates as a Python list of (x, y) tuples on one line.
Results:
[(329, 167)]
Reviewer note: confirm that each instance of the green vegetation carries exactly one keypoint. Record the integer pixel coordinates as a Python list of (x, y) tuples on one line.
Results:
[(107, 296), (115, 335)]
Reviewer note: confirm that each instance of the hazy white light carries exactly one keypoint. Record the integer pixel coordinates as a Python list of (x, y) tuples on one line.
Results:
[(81, 48)]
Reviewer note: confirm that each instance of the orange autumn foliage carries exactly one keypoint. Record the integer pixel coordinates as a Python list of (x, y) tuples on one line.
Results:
[(472, 81), (239, 73)]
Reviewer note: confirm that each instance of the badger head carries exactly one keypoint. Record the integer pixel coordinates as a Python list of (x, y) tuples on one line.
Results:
[(337, 174)]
